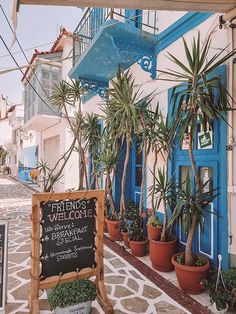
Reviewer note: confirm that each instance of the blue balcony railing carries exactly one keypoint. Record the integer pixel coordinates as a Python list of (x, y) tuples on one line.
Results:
[(94, 18)]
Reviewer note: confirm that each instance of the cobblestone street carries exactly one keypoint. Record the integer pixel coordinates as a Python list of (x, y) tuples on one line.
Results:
[(128, 289)]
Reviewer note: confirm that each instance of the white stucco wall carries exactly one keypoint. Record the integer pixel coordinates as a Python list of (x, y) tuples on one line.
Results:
[(220, 39)]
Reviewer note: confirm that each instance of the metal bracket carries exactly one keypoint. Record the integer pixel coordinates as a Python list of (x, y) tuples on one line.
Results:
[(98, 87), (135, 52), (148, 64)]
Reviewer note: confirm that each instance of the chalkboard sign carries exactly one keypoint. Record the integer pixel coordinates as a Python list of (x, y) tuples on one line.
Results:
[(67, 242), (3, 263), (68, 234)]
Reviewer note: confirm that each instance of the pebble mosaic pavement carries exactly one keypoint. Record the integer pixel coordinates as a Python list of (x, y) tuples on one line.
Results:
[(128, 290)]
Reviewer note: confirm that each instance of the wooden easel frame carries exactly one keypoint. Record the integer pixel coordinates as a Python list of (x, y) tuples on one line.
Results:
[(50, 282)]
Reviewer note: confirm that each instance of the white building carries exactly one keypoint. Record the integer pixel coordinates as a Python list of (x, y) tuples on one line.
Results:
[(44, 120), (139, 40)]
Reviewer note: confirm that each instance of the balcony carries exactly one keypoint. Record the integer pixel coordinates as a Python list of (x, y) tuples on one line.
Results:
[(107, 39), (39, 116), (39, 113)]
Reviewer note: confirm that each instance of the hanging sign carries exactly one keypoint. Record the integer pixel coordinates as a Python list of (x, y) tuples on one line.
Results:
[(3, 263), (205, 140), (67, 242)]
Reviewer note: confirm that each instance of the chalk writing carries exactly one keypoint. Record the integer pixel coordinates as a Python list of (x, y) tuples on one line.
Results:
[(68, 233)]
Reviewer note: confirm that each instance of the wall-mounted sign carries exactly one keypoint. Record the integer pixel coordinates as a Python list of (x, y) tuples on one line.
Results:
[(205, 140), (67, 242), (3, 264)]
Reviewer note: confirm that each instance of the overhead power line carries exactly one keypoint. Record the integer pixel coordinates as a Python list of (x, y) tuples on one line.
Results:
[(8, 22), (26, 77)]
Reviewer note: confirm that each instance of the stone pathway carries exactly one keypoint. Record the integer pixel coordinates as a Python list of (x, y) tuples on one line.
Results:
[(128, 290)]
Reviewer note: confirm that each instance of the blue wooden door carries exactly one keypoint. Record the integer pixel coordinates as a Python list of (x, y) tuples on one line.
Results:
[(210, 157)]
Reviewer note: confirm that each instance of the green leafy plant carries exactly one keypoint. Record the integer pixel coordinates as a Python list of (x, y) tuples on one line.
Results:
[(154, 221), (164, 190), (222, 294), (198, 261), (136, 232), (191, 204), (123, 111), (72, 293)]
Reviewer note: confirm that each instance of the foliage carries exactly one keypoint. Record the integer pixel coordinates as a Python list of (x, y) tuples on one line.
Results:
[(191, 202), (224, 293), (113, 217), (130, 216), (123, 111), (198, 261), (135, 231), (164, 190), (67, 96), (154, 221), (108, 160), (91, 133), (72, 293)]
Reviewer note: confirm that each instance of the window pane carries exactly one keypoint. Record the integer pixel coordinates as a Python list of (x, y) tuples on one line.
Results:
[(206, 176), (138, 176)]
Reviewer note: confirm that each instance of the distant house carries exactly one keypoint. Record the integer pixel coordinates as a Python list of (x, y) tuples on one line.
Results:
[(43, 119)]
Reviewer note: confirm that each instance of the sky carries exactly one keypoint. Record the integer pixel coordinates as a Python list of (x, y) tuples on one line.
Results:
[(37, 25)]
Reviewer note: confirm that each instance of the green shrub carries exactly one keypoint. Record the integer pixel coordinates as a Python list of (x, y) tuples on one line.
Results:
[(72, 293), (225, 294)]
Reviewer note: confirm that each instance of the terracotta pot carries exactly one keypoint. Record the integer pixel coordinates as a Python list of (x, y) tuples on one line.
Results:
[(190, 277), (161, 254), (113, 229), (125, 238), (138, 248), (154, 233), (105, 230)]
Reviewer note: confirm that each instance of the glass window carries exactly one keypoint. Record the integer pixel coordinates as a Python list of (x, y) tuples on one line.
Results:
[(206, 176), (138, 176)]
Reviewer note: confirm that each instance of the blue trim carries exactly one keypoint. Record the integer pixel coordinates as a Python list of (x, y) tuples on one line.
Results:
[(179, 28)]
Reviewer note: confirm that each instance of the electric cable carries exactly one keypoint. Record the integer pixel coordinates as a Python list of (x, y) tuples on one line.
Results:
[(27, 78), (8, 22)]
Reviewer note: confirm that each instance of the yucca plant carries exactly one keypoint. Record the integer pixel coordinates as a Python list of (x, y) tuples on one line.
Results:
[(161, 137), (91, 132), (164, 190), (108, 160), (123, 110), (67, 95), (194, 99)]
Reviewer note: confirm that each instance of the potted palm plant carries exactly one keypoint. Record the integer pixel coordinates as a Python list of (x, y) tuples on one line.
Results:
[(108, 160), (162, 250), (195, 101), (191, 202), (123, 111), (163, 188), (72, 297)]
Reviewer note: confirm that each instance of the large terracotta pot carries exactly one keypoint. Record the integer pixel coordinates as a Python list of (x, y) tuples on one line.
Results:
[(161, 254), (113, 229), (138, 248), (190, 277), (125, 238), (154, 233)]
